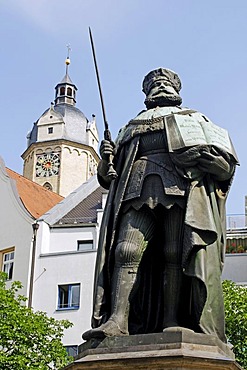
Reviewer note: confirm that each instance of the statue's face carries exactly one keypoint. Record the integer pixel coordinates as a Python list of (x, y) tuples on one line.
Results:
[(162, 93), (161, 87)]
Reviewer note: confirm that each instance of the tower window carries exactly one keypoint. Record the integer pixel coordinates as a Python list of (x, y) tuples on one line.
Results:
[(50, 130), (62, 90), (69, 91), (47, 186)]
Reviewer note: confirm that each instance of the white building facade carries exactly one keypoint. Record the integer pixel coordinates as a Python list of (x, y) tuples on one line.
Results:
[(16, 233), (65, 260)]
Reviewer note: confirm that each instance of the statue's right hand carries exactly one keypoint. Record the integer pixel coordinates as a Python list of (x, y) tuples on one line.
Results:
[(106, 149)]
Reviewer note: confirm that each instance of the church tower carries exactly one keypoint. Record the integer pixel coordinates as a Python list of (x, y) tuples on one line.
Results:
[(62, 146)]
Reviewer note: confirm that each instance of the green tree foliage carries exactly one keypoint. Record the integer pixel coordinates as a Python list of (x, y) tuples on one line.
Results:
[(28, 340), (235, 298)]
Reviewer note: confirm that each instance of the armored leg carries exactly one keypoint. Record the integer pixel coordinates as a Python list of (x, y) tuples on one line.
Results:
[(135, 230), (173, 231)]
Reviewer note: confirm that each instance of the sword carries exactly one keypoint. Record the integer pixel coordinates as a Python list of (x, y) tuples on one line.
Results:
[(107, 135)]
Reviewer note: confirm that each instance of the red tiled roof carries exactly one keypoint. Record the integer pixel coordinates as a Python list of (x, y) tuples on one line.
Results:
[(36, 199)]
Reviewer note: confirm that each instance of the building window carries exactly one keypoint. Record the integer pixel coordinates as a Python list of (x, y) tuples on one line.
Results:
[(8, 264), (69, 297), (50, 130), (72, 350), (69, 91), (236, 245), (84, 245)]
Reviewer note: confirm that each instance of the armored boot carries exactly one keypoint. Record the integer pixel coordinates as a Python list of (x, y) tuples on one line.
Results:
[(172, 293), (123, 280)]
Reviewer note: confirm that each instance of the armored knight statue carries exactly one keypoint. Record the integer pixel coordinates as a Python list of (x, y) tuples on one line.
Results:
[(162, 239)]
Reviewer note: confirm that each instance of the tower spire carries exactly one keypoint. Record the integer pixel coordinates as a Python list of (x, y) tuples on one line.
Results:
[(67, 61), (66, 90)]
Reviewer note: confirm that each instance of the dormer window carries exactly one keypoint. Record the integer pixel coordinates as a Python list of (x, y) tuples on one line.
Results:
[(69, 91)]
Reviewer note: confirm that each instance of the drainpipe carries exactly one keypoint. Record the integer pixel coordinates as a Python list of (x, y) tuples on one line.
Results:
[(35, 227)]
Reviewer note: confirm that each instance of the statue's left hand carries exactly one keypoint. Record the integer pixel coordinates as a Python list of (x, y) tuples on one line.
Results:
[(216, 165), (186, 158)]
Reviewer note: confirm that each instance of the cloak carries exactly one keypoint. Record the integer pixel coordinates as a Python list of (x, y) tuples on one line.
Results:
[(203, 246)]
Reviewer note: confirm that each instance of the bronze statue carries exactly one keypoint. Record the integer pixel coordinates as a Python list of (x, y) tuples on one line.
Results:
[(162, 238)]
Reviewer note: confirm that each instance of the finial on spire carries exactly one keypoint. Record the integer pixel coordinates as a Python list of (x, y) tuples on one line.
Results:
[(67, 61)]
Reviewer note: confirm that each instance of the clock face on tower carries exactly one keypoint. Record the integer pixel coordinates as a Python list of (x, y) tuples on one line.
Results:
[(47, 164)]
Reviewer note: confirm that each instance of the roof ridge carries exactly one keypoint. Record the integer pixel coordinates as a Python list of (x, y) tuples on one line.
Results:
[(68, 203), (85, 211)]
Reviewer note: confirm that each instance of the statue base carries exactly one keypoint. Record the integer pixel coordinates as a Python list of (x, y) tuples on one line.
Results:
[(174, 349)]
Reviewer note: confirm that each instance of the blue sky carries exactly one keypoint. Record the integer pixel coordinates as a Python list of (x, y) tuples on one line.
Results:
[(203, 41)]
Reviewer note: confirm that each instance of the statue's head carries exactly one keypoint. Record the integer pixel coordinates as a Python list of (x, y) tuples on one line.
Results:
[(162, 87)]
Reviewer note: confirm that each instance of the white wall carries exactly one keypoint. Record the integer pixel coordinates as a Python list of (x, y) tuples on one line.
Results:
[(57, 270), (65, 239), (58, 262)]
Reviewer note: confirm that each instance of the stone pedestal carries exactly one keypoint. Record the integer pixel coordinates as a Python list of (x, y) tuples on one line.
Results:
[(174, 349)]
